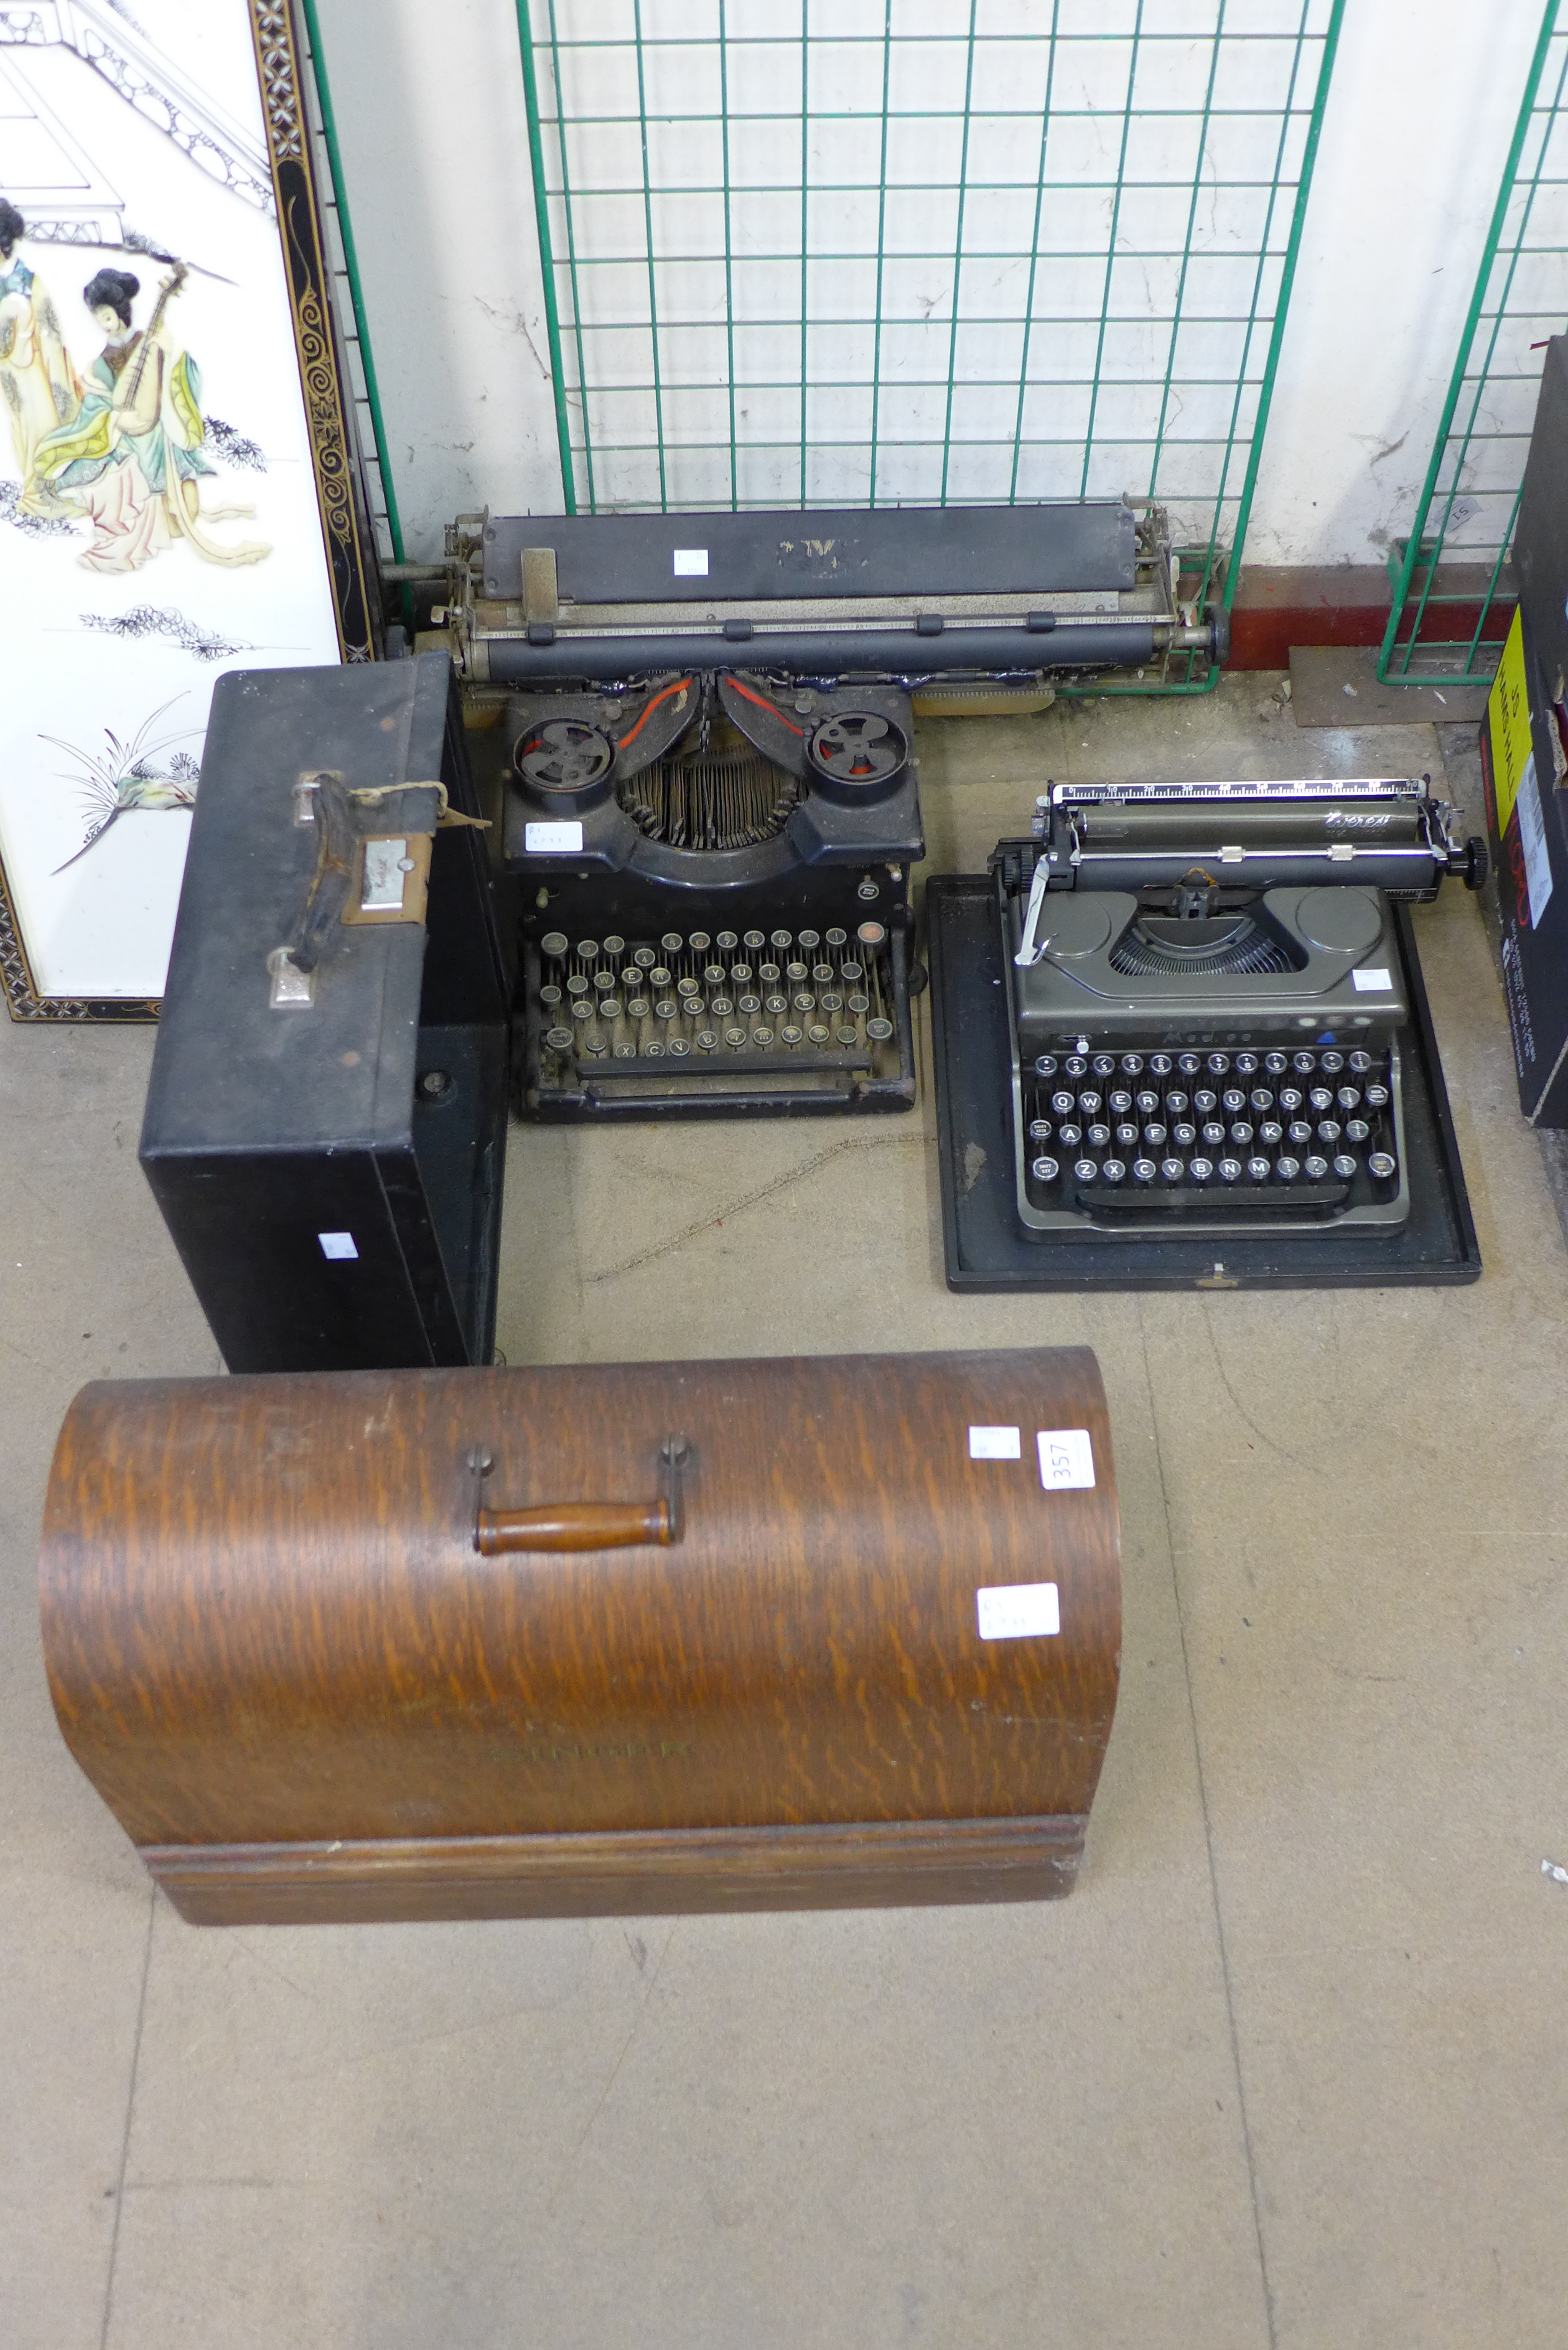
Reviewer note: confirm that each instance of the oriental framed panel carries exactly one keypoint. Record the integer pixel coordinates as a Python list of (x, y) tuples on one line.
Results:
[(178, 485)]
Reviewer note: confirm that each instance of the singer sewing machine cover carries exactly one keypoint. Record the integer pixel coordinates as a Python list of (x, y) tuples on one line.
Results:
[(161, 518)]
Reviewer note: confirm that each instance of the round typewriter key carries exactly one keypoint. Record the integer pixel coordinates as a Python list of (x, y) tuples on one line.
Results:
[(555, 943), (1088, 1101), (1127, 1136), (1084, 1170), (594, 1046), (1044, 1170), (1276, 1063), (1045, 1065), (1261, 1098), (1172, 1169), (1299, 1130), (794, 972), (1345, 1165), (809, 941), (1233, 1101), (748, 1006), (1069, 1134), (609, 1007), (1321, 1098), (1243, 1130), (1204, 1100), (1361, 1063), (1143, 1171), (1246, 1065), (850, 971), (846, 1033), (577, 985), (735, 1037), (1174, 1102), (1382, 1164), (559, 1040), (1331, 1064), (625, 1050), (871, 934), (672, 942), (1287, 1169), (859, 1004), (1132, 1064), (1098, 1136), (780, 939), (1328, 1129), (1357, 1129), (818, 1035), (835, 938), (1348, 1097), (1145, 1102), (1119, 1102), (679, 1047), (1228, 1171), (644, 958), (587, 949), (699, 943), (1189, 1063), (805, 1000), (879, 1030), (1375, 1096), (1201, 1169), (723, 1005), (686, 986), (550, 996), (1289, 1097), (1304, 1063), (654, 1051), (668, 1007), (1218, 1064), (777, 1005), (791, 1033), (1154, 1133), (1184, 1135), (714, 974), (1316, 1167), (1259, 1169), (822, 973), (752, 941), (1039, 1130), (832, 1001), (1076, 1065), (1214, 1133), (707, 1040), (1063, 1103), (768, 972), (659, 980), (638, 1007), (1160, 1065), (1113, 1171), (1269, 1132)]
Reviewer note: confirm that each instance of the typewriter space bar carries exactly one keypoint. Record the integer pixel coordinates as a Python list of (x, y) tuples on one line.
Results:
[(1310, 1202)]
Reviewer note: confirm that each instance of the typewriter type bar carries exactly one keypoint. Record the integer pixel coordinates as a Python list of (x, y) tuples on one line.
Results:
[(1207, 1003)]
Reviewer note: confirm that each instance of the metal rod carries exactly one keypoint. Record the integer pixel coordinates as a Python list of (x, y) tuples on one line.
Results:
[(546, 257)]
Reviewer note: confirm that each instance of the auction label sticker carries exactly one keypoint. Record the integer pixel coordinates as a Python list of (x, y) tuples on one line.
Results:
[(544, 839), (995, 1444), (1066, 1460), (691, 562), (1018, 1611)]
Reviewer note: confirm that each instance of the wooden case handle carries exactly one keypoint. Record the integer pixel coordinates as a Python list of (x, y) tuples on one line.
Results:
[(579, 1526)]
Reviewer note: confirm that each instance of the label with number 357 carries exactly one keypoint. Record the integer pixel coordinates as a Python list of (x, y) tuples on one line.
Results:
[(1066, 1460)]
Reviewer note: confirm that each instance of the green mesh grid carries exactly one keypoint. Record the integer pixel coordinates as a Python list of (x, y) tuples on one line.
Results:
[(877, 251), (1452, 592)]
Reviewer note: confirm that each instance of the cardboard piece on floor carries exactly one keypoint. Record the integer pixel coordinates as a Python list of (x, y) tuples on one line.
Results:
[(1338, 685)]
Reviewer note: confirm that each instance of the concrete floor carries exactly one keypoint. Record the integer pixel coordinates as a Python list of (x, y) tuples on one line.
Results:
[(1291, 2066)]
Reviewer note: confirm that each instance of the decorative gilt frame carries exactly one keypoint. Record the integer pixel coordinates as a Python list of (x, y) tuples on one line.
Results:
[(345, 529)]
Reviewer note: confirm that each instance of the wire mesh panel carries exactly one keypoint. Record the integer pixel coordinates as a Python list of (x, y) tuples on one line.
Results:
[(878, 252), (1453, 592)]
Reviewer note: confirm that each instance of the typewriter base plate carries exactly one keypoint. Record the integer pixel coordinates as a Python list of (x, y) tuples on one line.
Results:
[(987, 1248)]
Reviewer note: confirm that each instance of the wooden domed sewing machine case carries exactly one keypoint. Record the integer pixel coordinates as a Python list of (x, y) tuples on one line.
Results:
[(662, 1637)]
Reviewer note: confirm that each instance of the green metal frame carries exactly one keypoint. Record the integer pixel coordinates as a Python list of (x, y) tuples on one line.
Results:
[(1451, 575), (1243, 114)]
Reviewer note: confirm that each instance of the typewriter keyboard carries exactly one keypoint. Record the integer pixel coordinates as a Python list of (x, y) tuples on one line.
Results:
[(1303, 1132), (728, 1000)]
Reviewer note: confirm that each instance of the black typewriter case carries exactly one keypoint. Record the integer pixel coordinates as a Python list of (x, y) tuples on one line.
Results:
[(986, 1247)]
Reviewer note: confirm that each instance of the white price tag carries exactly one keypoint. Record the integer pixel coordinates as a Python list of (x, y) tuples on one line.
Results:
[(1533, 840), (1066, 1460), (691, 562), (995, 1444), (1371, 983), (547, 839), (1018, 1611), (337, 1244)]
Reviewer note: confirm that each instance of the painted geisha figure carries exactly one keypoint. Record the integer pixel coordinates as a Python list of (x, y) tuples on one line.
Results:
[(130, 460), (37, 382)]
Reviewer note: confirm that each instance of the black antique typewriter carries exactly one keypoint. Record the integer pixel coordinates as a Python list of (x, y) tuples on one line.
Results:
[(711, 808), (1212, 1031)]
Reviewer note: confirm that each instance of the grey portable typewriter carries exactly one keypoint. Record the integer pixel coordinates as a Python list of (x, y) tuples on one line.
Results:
[(1209, 1004)]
